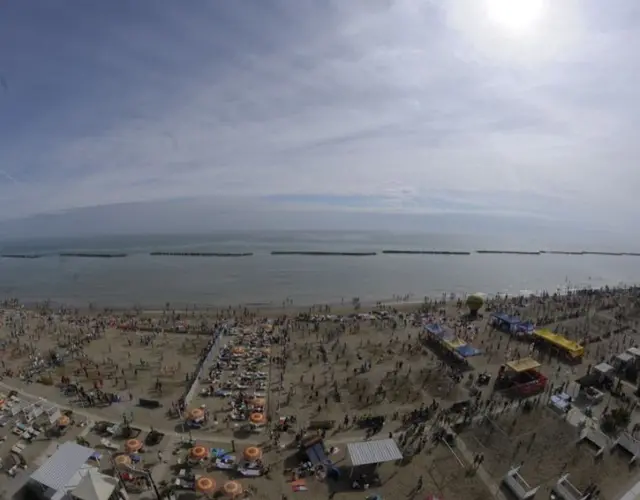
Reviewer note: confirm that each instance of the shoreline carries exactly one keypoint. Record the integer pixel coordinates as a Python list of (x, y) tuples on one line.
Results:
[(336, 307)]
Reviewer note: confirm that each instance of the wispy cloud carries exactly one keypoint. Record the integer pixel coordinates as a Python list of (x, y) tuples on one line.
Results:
[(399, 105)]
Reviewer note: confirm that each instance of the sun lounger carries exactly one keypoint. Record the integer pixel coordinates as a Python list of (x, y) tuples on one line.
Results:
[(18, 448), (250, 472), (114, 430)]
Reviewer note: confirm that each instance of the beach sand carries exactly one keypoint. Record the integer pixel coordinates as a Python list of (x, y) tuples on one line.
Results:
[(326, 372)]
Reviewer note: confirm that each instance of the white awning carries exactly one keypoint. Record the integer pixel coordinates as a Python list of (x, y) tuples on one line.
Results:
[(62, 466), (374, 452), (95, 486)]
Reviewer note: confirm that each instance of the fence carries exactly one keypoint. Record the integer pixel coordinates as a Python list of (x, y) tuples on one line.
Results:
[(206, 361)]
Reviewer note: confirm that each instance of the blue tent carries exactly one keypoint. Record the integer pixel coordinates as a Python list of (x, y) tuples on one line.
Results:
[(506, 319), (435, 329), (317, 455), (467, 351)]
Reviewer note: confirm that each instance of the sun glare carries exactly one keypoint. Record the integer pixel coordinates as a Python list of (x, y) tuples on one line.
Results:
[(515, 15)]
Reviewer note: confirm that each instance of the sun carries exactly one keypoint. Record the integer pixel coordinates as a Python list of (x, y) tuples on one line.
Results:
[(515, 15)]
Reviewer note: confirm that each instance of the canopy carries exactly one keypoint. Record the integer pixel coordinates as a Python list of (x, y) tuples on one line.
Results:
[(205, 484), (574, 349), (507, 319), (523, 365), (57, 472), (435, 329), (252, 453), (374, 452), (453, 343), (467, 351), (95, 486), (316, 454), (603, 368)]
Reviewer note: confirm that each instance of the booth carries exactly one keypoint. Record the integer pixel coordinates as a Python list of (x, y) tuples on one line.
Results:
[(521, 378), (628, 443), (564, 490), (570, 350), (512, 325), (517, 485)]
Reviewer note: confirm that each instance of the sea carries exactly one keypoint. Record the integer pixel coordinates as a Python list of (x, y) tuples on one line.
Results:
[(149, 282)]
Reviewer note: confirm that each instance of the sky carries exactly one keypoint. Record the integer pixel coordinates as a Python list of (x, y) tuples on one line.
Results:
[(318, 110)]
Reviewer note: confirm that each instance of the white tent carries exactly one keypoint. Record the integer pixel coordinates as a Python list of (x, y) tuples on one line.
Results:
[(95, 486)]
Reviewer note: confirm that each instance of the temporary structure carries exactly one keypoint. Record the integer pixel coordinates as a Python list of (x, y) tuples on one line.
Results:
[(95, 486)]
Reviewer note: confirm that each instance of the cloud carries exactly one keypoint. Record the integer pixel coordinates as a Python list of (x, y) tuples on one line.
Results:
[(387, 105)]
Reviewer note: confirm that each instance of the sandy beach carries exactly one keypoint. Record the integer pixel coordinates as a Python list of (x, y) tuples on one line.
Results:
[(272, 378)]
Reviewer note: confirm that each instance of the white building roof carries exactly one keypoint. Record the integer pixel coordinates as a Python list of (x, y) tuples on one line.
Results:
[(57, 472), (95, 486), (374, 452)]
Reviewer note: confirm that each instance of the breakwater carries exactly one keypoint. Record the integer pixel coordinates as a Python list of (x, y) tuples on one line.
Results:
[(424, 252), (561, 252), (347, 254), (20, 256), (202, 254), (509, 252), (93, 255)]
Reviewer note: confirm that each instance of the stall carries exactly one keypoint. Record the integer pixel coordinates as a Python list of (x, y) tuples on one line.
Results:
[(521, 378), (512, 325), (568, 349), (517, 485)]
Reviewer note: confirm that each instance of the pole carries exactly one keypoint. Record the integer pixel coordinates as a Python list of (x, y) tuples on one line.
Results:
[(153, 484)]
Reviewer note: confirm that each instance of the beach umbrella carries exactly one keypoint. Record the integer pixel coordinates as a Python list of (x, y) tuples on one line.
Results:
[(258, 418), (198, 452), (252, 453), (63, 421), (232, 489), (123, 461), (196, 414), (258, 401), (133, 445), (205, 485)]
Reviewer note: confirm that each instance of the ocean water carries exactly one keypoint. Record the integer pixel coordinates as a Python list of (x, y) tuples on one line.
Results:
[(151, 281)]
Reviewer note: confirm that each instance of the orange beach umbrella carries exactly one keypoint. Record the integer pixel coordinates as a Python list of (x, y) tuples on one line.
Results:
[(196, 414), (258, 418), (252, 453), (198, 452), (232, 488), (133, 445), (122, 460), (205, 484)]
